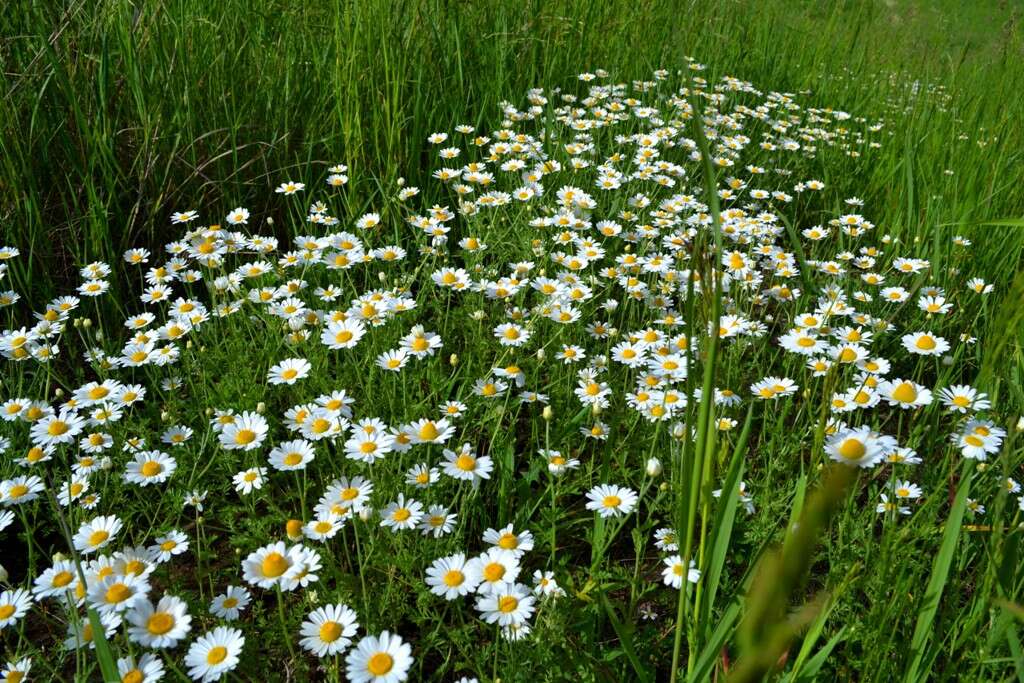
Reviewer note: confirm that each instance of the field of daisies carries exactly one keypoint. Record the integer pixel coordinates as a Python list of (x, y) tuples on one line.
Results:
[(618, 379)]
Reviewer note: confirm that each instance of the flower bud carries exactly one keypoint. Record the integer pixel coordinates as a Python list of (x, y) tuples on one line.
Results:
[(261, 407), (548, 413), (366, 513), (293, 527), (453, 359), (654, 467)]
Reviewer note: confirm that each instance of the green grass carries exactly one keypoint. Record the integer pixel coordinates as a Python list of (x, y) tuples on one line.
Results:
[(115, 115)]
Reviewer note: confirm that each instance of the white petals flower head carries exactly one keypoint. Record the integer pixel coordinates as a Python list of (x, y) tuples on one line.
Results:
[(14, 604), (245, 433), (379, 659), (674, 571), (610, 500), (509, 605), (289, 371), (855, 447), (214, 654), (925, 344), (161, 625), (453, 576), (96, 534), (328, 630)]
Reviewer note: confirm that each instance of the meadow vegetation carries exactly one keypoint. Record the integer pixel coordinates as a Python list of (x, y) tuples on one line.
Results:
[(563, 340)]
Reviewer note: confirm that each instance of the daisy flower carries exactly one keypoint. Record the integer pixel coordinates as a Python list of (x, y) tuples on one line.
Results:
[(855, 447), (379, 659), (674, 570), (449, 578), (14, 604), (292, 455), (464, 465), (289, 371), (150, 467), (246, 432), (328, 630), (148, 669), (438, 521), (96, 534), (925, 344), (161, 625), (250, 480), (214, 654), (169, 545), (231, 603), (609, 500), (511, 605), (401, 514), (507, 539)]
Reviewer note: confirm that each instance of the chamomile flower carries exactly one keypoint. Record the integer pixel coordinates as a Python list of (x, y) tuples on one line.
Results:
[(465, 465), (401, 514), (379, 659), (14, 604), (328, 630), (449, 577), (158, 626), (507, 539), (231, 603), (291, 455), (675, 570), (610, 500), (855, 447), (214, 654), (246, 432), (511, 604), (289, 371), (96, 534)]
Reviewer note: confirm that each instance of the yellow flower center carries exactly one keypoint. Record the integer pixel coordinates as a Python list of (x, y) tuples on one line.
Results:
[(905, 393), (380, 664), (330, 631), (98, 536), (216, 655), (507, 604), (57, 428), (852, 449), (453, 577), (160, 623), (117, 593), (494, 572), (274, 564), (245, 436), (151, 468)]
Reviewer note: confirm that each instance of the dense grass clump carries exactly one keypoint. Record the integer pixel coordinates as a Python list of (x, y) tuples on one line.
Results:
[(557, 341)]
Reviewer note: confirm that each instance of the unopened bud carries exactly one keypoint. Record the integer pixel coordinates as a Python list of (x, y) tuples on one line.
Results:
[(596, 410), (1020, 424), (540, 354), (86, 323), (293, 527), (261, 407), (453, 359), (547, 413), (654, 467), (366, 513)]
